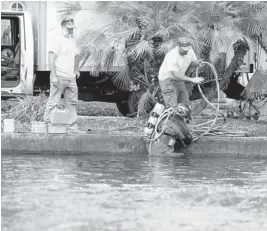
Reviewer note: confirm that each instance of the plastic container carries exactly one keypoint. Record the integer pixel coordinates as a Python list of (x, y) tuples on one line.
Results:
[(57, 128), (159, 108), (59, 116), (38, 127), (9, 126)]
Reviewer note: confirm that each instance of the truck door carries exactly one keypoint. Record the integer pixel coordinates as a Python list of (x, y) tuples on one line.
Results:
[(26, 67), (16, 54)]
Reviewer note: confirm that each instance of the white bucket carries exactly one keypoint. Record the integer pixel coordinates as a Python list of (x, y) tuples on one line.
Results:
[(9, 125), (57, 128), (38, 127), (59, 116)]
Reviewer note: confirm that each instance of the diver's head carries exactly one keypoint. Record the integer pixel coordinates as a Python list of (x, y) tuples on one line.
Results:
[(184, 110)]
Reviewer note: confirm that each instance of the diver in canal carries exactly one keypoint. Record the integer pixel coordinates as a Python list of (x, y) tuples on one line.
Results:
[(166, 130)]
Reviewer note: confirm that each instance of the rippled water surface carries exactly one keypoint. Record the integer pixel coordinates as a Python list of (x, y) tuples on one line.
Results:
[(90, 192)]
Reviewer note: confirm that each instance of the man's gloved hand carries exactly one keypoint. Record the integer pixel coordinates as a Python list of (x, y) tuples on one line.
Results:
[(187, 140), (199, 62), (197, 80)]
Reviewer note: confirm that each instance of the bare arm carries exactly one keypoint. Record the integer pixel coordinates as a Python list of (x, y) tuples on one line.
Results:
[(53, 77), (182, 77), (76, 63), (52, 59), (76, 66)]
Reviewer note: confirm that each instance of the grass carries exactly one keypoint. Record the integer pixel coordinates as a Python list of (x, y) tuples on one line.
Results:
[(105, 119), (97, 109), (83, 108)]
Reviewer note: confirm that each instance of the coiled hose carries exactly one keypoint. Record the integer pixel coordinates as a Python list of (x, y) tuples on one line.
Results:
[(209, 103), (211, 130)]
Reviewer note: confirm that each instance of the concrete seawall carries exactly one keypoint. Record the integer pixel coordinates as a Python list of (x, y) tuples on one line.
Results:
[(107, 144)]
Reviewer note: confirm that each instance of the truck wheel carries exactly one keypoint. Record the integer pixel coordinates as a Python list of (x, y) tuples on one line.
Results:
[(129, 107)]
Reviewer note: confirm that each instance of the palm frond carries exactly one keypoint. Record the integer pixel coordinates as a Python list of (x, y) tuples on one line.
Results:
[(109, 58), (103, 6), (251, 26), (228, 22), (122, 78), (126, 35), (164, 32), (87, 36), (145, 103), (182, 6), (68, 8), (86, 43), (141, 49), (220, 63), (165, 47), (120, 10), (205, 36), (255, 6)]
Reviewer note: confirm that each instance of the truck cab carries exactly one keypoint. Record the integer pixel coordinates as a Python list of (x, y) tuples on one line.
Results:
[(17, 74)]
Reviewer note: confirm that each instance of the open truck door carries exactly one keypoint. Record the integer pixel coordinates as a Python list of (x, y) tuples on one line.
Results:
[(17, 61)]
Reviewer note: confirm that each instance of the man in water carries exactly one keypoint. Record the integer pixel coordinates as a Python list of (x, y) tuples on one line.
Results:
[(175, 134)]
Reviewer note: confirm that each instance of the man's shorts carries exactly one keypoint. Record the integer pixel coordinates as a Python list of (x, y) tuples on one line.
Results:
[(174, 92)]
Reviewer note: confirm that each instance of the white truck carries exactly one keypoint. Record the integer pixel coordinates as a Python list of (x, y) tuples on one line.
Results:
[(25, 36)]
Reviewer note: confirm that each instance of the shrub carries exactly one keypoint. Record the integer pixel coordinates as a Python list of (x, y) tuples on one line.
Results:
[(29, 108)]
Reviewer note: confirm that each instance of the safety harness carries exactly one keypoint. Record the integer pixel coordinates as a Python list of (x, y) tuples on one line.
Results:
[(168, 126)]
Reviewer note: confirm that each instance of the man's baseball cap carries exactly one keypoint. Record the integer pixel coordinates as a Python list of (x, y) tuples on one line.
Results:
[(68, 22), (184, 43)]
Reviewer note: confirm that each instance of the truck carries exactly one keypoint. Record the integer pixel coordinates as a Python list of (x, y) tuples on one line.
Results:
[(26, 29)]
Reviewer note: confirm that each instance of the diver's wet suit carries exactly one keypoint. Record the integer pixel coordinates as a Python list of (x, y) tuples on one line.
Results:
[(175, 136)]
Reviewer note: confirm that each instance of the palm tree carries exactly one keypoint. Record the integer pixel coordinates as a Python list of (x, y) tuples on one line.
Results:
[(148, 30)]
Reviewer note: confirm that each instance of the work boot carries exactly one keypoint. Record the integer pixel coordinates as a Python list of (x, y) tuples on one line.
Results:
[(73, 129)]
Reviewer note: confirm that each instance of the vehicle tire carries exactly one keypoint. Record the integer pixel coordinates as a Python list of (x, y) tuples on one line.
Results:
[(129, 108)]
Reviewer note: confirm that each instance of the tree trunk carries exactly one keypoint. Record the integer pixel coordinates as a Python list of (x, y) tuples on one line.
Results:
[(200, 104)]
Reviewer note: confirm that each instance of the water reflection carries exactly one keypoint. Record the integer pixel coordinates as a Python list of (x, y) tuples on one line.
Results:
[(89, 192)]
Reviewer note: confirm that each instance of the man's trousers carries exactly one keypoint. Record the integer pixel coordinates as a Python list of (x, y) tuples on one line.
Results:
[(70, 91), (174, 92)]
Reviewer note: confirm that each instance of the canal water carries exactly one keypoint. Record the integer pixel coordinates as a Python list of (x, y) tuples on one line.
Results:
[(116, 192)]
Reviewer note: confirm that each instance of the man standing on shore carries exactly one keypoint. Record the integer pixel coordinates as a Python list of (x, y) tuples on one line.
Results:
[(63, 61), (172, 73)]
